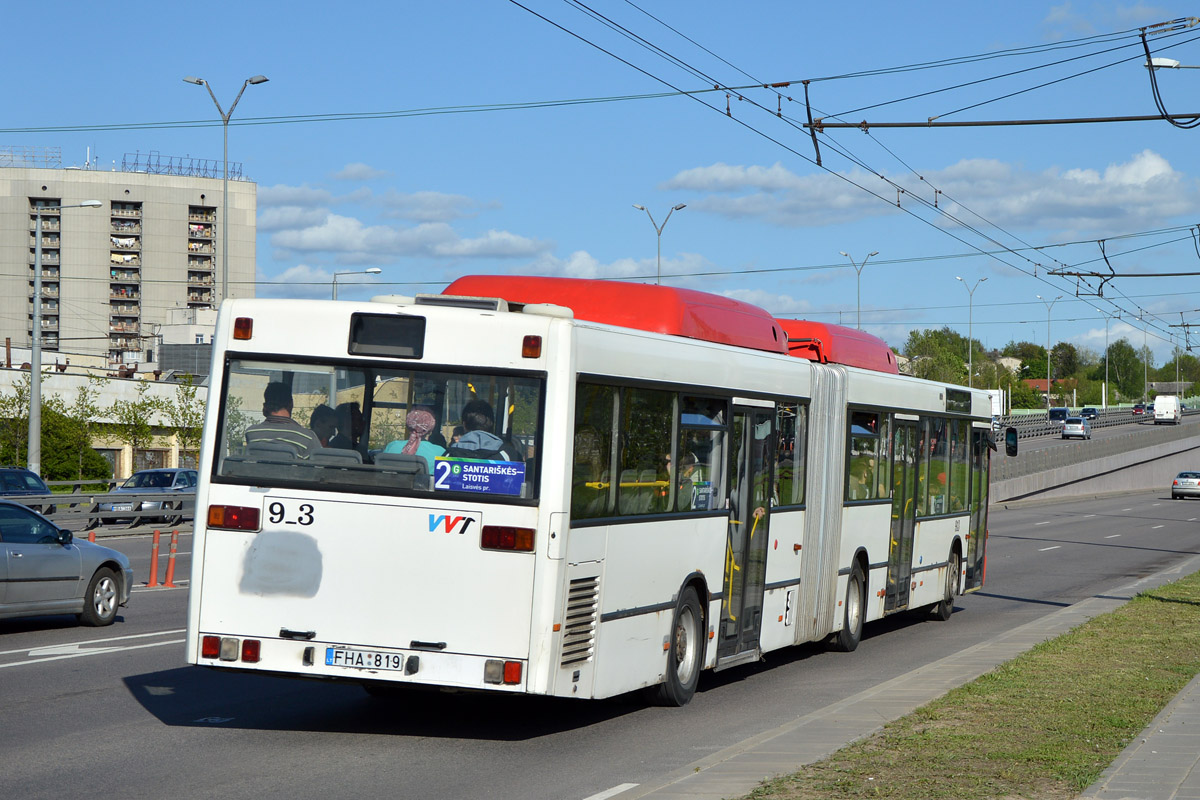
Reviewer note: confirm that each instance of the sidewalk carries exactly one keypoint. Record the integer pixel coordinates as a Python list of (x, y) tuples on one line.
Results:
[(1158, 765)]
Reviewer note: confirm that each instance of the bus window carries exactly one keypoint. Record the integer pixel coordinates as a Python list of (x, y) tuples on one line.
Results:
[(938, 470), (377, 444), (867, 467), (792, 427), (646, 424), (701, 453), (591, 487), (960, 484)]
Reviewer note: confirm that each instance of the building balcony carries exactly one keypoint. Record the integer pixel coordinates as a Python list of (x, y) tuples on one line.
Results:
[(48, 224), (123, 342), (123, 327), (193, 281), (123, 310), (126, 226), (125, 275), (199, 232), (134, 213), (47, 258), (200, 247), (47, 241), (49, 292), (125, 243), (124, 295), (205, 216)]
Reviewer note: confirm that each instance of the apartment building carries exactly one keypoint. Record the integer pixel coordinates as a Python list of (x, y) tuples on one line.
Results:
[(113, 276)]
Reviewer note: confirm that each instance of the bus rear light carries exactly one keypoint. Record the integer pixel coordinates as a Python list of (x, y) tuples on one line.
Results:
[(229, 648), (505, 537), (497, 671), (243, 328), (251, 650), (210, 646), (531, 347), (234, 518)]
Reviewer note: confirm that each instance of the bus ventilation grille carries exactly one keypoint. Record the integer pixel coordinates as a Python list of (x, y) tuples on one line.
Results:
[(579, 628)]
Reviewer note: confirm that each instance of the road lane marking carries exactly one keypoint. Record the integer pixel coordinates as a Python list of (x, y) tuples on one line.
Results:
[(1047, 522), (1114, 536), (1127, 509), (1044, 549), (1156, 527), (1193, 519), (613, 792), (171, 632), (33, 659)]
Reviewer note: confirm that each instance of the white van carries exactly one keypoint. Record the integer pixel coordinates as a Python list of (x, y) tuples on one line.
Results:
[(1166, 409)]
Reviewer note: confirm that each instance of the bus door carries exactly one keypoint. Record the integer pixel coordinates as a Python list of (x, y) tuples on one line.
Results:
[(980, 461), (750, 484), (906, 446)]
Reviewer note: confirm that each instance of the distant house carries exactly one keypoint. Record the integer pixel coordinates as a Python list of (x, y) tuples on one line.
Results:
[(1011, 364), (1038, 385)]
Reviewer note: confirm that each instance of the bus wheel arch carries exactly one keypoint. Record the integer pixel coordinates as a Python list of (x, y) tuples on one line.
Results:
[(854, 606), (685, 645)]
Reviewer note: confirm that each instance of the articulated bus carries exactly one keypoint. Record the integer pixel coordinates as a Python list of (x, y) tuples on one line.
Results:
[(567, 487)]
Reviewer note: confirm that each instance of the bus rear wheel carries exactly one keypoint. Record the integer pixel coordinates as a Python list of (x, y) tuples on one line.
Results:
[(852, 622), (685, 652), (945, 608)]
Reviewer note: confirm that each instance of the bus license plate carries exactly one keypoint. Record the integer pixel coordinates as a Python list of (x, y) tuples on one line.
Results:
[(362, 659)]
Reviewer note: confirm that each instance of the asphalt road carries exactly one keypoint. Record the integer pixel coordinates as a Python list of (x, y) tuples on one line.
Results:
[(116, 708)]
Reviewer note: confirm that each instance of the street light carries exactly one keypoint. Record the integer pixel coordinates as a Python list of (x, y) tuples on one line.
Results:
[(33, 458), (858, 269), (257, 79), (970, 315), (659, 229), (1049, 305), (367, 271), (1167, 63), (1107, 317)]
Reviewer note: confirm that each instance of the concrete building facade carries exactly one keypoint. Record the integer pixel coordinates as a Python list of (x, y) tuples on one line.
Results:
[(113, 277)]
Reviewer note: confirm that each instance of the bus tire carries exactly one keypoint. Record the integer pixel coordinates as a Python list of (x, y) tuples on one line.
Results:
[(685, 652), (942, 610), (853, 612)]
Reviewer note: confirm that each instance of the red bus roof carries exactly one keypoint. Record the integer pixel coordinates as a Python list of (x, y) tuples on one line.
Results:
[(818, 341), (643, 306)]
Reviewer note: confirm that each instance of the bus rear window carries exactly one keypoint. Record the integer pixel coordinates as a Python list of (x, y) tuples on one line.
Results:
[(380, 430)]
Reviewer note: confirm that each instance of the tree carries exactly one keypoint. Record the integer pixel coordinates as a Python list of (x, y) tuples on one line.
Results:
[(14, 422), (83, 415), (1064, 360), (132, 418), (1125, 368), (67, 453), (186, 415)]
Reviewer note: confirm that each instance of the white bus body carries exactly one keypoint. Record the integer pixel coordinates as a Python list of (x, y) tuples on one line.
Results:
[(573, 572)]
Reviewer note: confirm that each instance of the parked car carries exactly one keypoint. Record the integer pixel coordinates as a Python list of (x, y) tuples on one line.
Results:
[(48, 572), (1089, 413), (1186, 484), (152, 481), (20, 482), (1138, 409), (1076, 427)]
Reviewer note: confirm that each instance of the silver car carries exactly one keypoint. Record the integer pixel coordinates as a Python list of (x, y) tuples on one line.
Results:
[(1186, 484), (43, 570), (179, 482), (1076, 427)]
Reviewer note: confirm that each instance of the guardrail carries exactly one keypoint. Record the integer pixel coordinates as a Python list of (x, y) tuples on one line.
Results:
[(1078, 451), (1035, 426), (80, 510)]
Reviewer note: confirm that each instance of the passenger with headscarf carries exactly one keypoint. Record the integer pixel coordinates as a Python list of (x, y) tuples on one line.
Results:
[(419, 423)]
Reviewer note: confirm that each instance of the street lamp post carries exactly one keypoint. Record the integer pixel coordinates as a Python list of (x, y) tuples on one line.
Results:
[(367, 271), (34, 454), (858, 268), (257, 79), (1107, 317), (1049, 305), (970, 320), (658, 229)]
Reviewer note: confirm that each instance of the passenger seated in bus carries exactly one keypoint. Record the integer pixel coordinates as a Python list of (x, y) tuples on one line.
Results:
[(350, 426), (479, 441), (323, 424), (419, 423), (277, 426), (685, 483)]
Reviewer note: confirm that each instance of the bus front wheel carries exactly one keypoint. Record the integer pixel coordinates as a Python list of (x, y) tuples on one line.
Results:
[(685, 652), (852, 623)]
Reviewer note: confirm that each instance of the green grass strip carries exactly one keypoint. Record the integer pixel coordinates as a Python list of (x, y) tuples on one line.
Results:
[(1043, 726)]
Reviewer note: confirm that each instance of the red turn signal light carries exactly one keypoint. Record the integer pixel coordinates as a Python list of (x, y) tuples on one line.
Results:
[(210, 646), (243, 327), (234, 518), (531, 347), (251, 650), (505, 537)]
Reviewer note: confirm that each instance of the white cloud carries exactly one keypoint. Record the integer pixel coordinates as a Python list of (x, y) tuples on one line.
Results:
[(302, 196), (779, 305), (358, 171), (493, 244), (428, 206), (359, 243), (284, 217), (1143, 190)]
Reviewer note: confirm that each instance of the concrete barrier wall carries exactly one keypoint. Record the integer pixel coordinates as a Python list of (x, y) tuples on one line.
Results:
[(1147, 468)]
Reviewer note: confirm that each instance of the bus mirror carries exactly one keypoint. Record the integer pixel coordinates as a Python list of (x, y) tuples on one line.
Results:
[(1010, 441)]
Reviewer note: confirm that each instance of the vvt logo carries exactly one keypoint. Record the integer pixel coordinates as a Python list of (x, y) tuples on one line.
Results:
[(449, 524)]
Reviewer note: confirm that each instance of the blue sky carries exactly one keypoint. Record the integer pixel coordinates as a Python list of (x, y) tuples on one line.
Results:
[(426, 186)]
